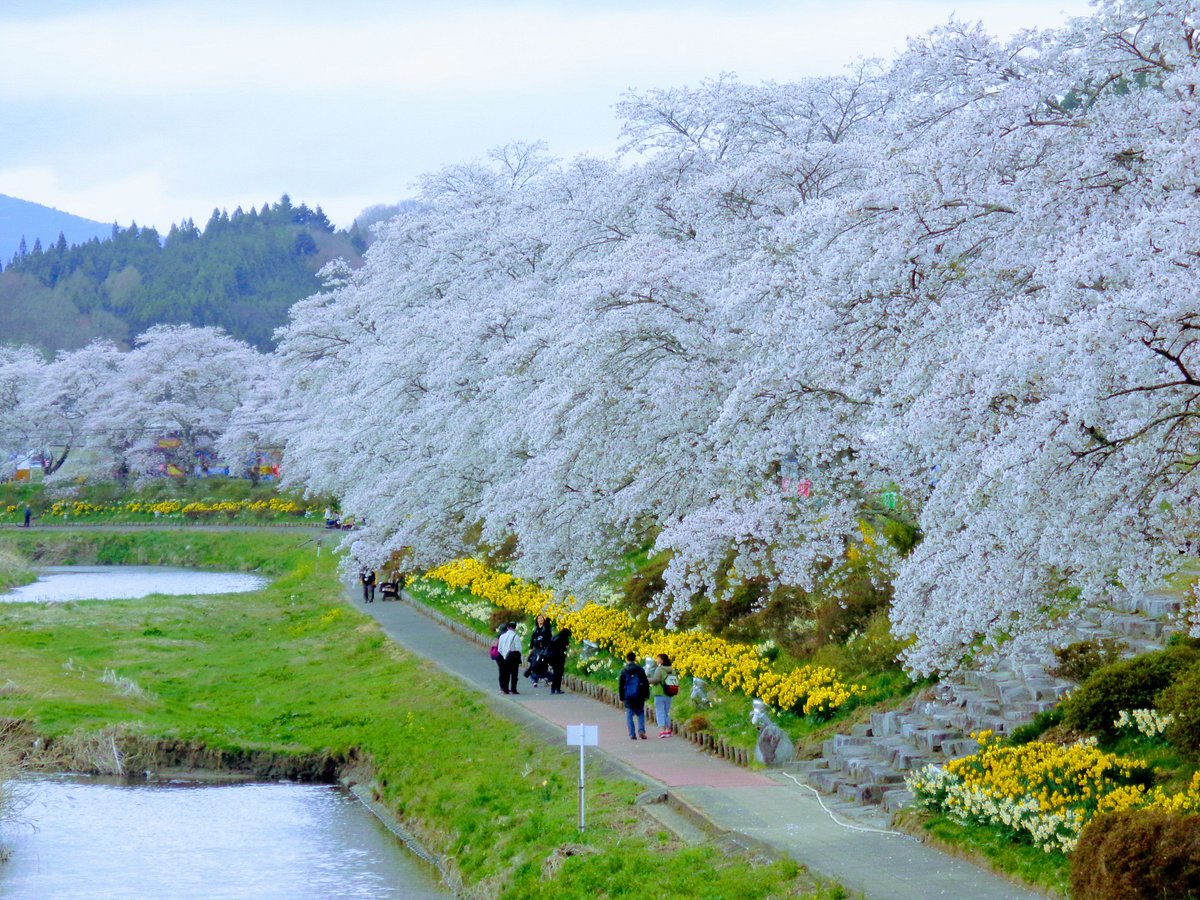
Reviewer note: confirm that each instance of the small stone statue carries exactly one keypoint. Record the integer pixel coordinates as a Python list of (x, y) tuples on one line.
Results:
[(588, 650), (699, 696), (773, 747)]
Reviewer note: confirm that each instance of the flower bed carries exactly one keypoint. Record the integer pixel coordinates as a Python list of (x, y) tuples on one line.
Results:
[(1041, 792), (273, 509), (815, 691)]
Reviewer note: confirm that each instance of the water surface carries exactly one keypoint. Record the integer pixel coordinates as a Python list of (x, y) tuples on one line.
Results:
[(97, 840), (58, 584)]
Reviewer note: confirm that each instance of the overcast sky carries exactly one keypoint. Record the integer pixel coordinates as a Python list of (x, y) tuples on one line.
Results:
[(158, 111)]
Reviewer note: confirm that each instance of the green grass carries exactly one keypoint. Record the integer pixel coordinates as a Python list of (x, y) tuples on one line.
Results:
[(268, 553), (14, 569), (294, 670)]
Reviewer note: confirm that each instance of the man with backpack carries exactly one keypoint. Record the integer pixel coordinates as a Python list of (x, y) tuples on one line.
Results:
[(634, 688)]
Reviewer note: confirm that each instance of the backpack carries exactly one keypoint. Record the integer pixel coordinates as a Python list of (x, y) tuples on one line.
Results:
[(671, 685), (495, 651), (633, 687)]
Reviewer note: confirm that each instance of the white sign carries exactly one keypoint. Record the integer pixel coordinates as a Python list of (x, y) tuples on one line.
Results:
[(583, 735)]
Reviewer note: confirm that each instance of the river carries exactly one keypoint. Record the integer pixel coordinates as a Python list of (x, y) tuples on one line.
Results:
[(98, 839), (94, 839), (59, 584)]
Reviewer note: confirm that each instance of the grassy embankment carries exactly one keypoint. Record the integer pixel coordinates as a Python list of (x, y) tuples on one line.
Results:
[(14, 569), (293, 671)]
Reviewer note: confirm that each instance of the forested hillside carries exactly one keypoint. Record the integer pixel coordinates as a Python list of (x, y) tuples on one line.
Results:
[(241, 272)]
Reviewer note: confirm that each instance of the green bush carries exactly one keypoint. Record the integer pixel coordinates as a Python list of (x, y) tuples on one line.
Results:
[(1039, 725), (1077, 662), (645, 582), (1183, 640), (848, 608), (1137, 854), (501, 617), (1182, 700), (1129, 684)]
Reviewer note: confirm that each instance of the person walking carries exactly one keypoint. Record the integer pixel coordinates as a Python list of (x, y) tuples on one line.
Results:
[(633, 688), (28, 515), (367, 577), (495, 651), (556, 658), (539, 641), (509, 647), (664, 675)]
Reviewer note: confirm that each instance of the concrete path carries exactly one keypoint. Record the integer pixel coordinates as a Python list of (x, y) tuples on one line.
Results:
[(763, 807)]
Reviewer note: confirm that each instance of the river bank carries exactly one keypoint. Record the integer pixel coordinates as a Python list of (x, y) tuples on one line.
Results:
[(290, 679), (14, 569)]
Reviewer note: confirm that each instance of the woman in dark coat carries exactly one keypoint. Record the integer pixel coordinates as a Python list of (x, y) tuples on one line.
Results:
[(556, 657), (539, 642)]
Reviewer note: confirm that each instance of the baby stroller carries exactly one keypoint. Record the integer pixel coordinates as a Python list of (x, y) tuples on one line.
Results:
[(538, 667)]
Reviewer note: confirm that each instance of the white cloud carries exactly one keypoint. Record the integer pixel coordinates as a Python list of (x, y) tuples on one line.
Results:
[(176, 49), (162, 110)]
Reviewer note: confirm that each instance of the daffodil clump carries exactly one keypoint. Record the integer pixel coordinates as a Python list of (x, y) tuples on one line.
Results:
[(813, 690), (1147, 722), (472, 608), (1043, 792)]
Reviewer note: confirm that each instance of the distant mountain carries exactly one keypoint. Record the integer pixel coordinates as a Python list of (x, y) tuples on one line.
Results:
[(34, 222), (241, 272)]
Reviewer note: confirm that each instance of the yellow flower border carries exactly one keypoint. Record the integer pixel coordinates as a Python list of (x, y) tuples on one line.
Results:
[(188, 509), (814, 690)]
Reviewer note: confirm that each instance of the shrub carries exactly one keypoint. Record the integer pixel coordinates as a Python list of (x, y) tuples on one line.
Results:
[(1180, 701), (646, 582), (500, 617), (1035, 728), (900, 531), (1129, 684), (849, 608), (1136, 854), (1077, 662), (873, 650)]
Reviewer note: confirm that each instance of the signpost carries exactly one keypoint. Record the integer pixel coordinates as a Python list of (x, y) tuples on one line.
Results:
[(582, 736)]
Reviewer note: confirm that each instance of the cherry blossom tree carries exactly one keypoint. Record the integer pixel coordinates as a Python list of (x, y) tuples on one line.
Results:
[(969, 275), (21, 377), (66, 400), (179, 383)]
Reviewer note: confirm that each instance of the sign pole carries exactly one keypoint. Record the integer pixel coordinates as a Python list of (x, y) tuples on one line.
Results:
[(581, 744), (584, 736)]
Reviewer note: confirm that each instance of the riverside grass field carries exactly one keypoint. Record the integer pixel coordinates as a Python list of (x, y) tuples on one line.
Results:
[(293, 670)]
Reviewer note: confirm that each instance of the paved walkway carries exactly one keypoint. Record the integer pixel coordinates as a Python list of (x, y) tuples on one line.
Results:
[(765, 807)]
